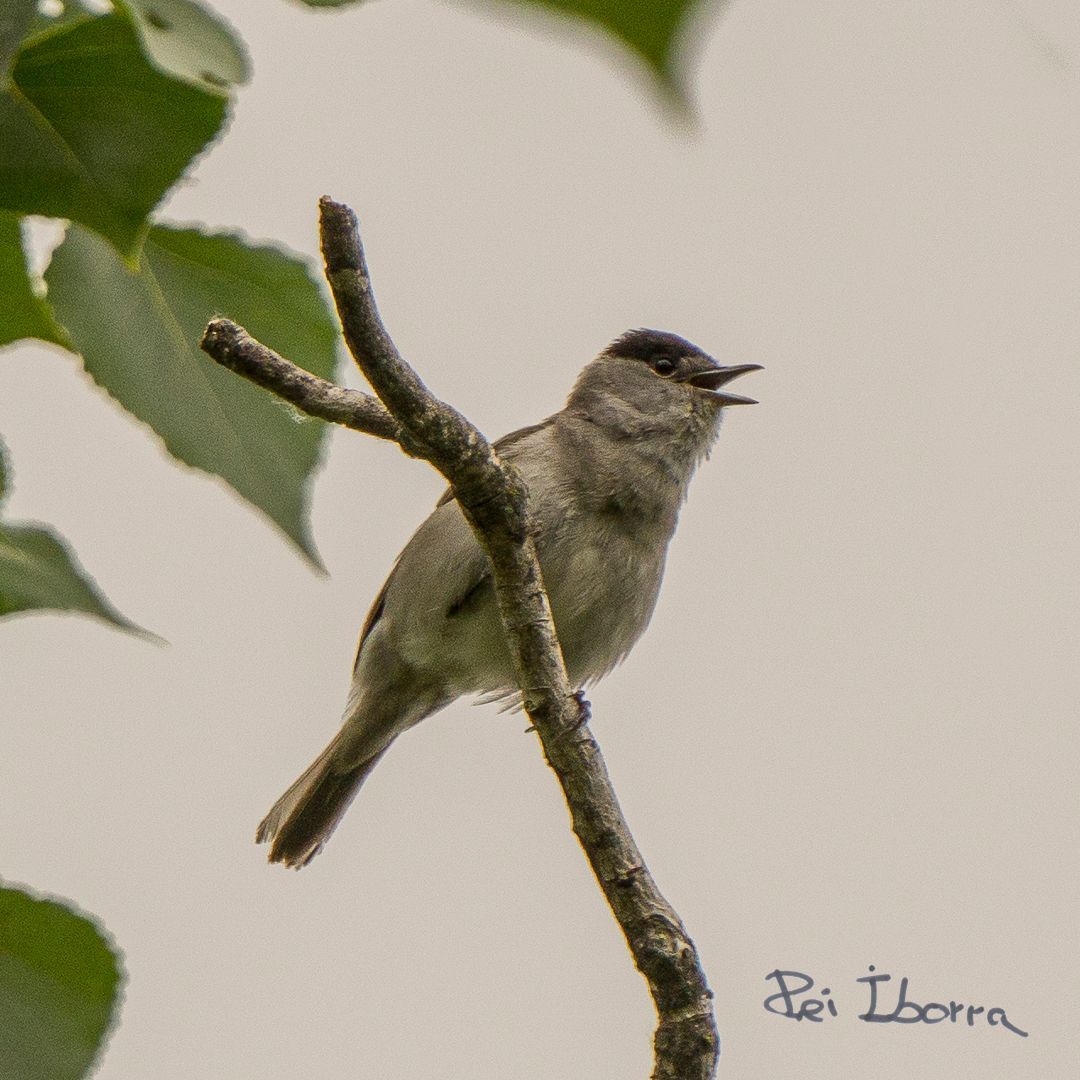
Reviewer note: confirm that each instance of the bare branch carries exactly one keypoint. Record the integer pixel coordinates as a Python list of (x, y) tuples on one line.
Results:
[(233, 347), (494, 499)]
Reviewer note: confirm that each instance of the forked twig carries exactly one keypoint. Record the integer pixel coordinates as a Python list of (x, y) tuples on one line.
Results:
[(495, 501)]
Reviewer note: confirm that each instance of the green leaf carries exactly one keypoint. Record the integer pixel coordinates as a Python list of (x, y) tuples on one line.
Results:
[(650, 28), (90, 130), (138, 331), (186, 40), (38, 571), (59, 984), (24, 313), (15, 18), (74, 11)]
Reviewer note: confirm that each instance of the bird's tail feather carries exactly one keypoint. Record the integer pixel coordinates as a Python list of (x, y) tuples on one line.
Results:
[(301, 821)]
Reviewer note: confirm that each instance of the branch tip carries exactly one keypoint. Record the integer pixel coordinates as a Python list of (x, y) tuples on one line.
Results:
[(339, 233), (235, 349)]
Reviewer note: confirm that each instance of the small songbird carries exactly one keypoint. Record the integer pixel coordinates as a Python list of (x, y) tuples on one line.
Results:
[(606, 478)]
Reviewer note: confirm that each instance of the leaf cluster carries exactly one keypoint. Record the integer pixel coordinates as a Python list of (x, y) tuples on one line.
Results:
[(101, 113)]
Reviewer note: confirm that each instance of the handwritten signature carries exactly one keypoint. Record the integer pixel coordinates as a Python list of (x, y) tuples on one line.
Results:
[(792, 985)]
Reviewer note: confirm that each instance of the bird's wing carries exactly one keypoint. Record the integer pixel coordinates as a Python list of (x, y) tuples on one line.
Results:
[(506, 447), (470, 589), (509, 446), (374, 614)]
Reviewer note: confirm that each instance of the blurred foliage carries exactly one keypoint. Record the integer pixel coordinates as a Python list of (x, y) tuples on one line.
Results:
[(100, 114), (92, 131), (24, 313), (59, 985), (38, 571), (649, 28)]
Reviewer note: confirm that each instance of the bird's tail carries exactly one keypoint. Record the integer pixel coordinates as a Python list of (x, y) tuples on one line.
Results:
[(301, 821)]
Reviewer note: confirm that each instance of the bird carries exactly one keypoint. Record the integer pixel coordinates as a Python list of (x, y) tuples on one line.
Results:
[(606, 476)]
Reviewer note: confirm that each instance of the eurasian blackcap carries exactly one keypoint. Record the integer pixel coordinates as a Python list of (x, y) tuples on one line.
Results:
[(606, 479)]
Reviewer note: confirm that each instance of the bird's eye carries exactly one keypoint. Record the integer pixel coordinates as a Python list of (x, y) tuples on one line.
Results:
[(663, 366)]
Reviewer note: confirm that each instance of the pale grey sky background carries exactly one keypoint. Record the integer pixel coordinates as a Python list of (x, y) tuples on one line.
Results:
[(849, 736)]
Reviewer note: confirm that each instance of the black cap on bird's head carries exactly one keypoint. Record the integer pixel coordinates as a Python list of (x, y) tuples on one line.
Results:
[(672, 357)]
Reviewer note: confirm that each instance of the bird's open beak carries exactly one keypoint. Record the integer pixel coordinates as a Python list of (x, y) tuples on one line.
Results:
[(713, 378)]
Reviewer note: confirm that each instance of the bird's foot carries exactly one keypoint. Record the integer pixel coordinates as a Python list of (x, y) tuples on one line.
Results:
[(584, 709)]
